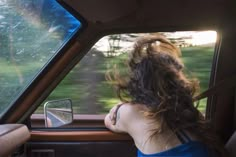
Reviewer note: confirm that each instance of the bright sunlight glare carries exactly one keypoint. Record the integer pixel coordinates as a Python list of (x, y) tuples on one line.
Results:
[(124, 42), (206, 37)]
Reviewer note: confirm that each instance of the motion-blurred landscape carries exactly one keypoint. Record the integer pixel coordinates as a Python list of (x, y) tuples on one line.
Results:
[(88, 89)]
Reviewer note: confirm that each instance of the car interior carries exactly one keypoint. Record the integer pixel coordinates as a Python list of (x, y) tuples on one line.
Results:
[(98, 19)]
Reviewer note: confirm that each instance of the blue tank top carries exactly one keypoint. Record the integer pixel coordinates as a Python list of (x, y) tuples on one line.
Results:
[(188, 148), (191, 149)]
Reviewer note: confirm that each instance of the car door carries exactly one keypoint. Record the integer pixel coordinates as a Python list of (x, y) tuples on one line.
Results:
[(56, 44)]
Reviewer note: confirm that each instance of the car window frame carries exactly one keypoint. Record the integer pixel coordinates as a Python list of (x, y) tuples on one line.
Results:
[(97, 120)]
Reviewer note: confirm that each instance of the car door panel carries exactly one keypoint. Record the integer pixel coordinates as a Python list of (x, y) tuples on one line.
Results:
[(80, 143), (80, 149)]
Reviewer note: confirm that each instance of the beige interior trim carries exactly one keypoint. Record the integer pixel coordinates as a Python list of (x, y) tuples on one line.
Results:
[(11, 137)]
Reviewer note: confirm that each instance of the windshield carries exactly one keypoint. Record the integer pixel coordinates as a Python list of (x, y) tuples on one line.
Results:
[(31, 33)]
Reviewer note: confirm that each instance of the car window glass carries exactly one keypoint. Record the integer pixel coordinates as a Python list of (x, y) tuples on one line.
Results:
[(86, 84), (31, 32)]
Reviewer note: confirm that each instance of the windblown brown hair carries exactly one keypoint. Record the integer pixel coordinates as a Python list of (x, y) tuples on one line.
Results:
[(157, 81)]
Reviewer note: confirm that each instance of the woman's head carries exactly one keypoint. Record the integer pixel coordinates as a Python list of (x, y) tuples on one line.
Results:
[(156, 80)]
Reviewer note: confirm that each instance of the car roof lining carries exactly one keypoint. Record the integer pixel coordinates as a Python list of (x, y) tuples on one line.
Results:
[(152, 13)]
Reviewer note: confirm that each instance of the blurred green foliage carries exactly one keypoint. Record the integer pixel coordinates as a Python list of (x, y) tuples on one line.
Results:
[(90, 93)]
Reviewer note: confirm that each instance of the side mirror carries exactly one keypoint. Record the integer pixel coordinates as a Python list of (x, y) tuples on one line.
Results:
[(58, 113)]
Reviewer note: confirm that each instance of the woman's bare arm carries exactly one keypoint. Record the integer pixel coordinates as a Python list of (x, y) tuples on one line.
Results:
[(116, 119)]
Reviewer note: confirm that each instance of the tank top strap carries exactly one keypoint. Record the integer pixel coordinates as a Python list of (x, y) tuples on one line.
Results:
[(183, 137)]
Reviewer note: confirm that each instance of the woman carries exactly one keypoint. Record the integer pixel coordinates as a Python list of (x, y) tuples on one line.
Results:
[(157, 108)]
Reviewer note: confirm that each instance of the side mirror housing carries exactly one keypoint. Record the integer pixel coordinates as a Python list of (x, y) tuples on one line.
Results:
[(58, 113)]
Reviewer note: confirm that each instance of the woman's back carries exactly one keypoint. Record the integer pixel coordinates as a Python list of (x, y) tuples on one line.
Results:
[(131, 119)]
